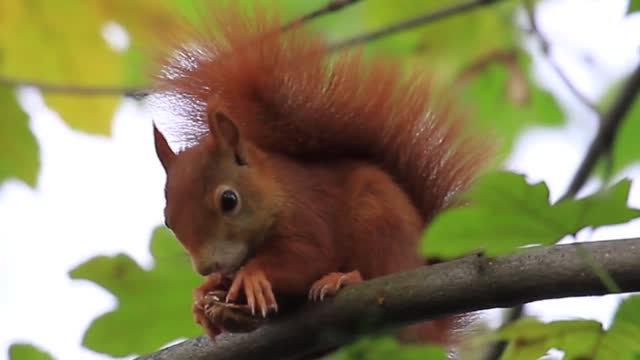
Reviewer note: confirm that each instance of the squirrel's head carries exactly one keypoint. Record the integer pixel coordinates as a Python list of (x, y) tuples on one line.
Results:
[(220, 200)]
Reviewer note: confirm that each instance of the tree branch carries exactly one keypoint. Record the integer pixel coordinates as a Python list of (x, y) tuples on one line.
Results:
[(411, 23), (459, 286)]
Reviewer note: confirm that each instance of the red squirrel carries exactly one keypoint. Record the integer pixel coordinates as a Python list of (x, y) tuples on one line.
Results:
[(308, 170)]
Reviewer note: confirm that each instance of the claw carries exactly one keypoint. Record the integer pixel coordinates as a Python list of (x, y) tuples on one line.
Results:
[(253, 307), (331, 283), (323, 291), (257, 290)]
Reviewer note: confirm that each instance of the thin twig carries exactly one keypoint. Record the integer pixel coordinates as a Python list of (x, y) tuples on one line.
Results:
[(607, 131), (459, 286), (411, 23), (332, 6), (545, 45), (133, 92)]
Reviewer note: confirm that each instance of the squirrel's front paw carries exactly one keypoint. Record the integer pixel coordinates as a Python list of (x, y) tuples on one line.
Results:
[(257, 289), (201, 303), (201, 318), (331, 283), (213, 282)]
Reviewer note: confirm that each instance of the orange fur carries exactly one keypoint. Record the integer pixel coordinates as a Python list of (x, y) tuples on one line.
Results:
[(347, 159)]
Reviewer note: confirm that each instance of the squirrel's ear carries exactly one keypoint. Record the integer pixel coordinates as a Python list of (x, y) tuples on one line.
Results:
[(225, 130), (164, 152)]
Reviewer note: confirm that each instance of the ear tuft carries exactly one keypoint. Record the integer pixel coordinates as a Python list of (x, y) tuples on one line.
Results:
[(164, 152)]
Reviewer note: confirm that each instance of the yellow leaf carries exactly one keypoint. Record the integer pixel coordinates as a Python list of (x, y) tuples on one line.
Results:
[(61, 42)]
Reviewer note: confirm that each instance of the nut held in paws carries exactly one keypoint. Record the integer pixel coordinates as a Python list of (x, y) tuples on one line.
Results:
[(234, 318)]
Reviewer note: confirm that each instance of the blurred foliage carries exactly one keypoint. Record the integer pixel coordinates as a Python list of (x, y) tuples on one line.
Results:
[(531, 339), (19, 157), (578, 339), (62, 42), (153, 304), (625, 149), (477, 54), (24, 351), (621, 340), (505, 213), (502, 78), (387, 347)]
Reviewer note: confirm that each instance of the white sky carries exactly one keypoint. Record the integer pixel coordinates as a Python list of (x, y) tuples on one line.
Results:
[(98, 195)]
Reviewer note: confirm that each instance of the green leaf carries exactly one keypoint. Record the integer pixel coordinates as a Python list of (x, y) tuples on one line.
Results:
[(531, 339), (621, 341), (628, 311), (578, 339), (19, 156), (380, 348), (506, 213), (445, 46), (634, 5), (502, 96), (154, 306), (625, 148), (24, 351)]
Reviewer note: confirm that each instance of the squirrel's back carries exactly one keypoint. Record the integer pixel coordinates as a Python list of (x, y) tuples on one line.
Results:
[(288, 94)]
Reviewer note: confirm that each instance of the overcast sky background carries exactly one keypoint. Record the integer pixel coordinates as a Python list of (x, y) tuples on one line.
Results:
[(98, 195)]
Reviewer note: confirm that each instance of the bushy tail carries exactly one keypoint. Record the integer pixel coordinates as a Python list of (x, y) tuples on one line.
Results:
[(289, 95)]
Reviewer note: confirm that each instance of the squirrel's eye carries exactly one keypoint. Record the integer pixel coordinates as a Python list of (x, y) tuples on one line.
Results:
[(228, 201)]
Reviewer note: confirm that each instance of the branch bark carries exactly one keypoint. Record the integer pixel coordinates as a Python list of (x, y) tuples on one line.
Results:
[(469, 284)]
